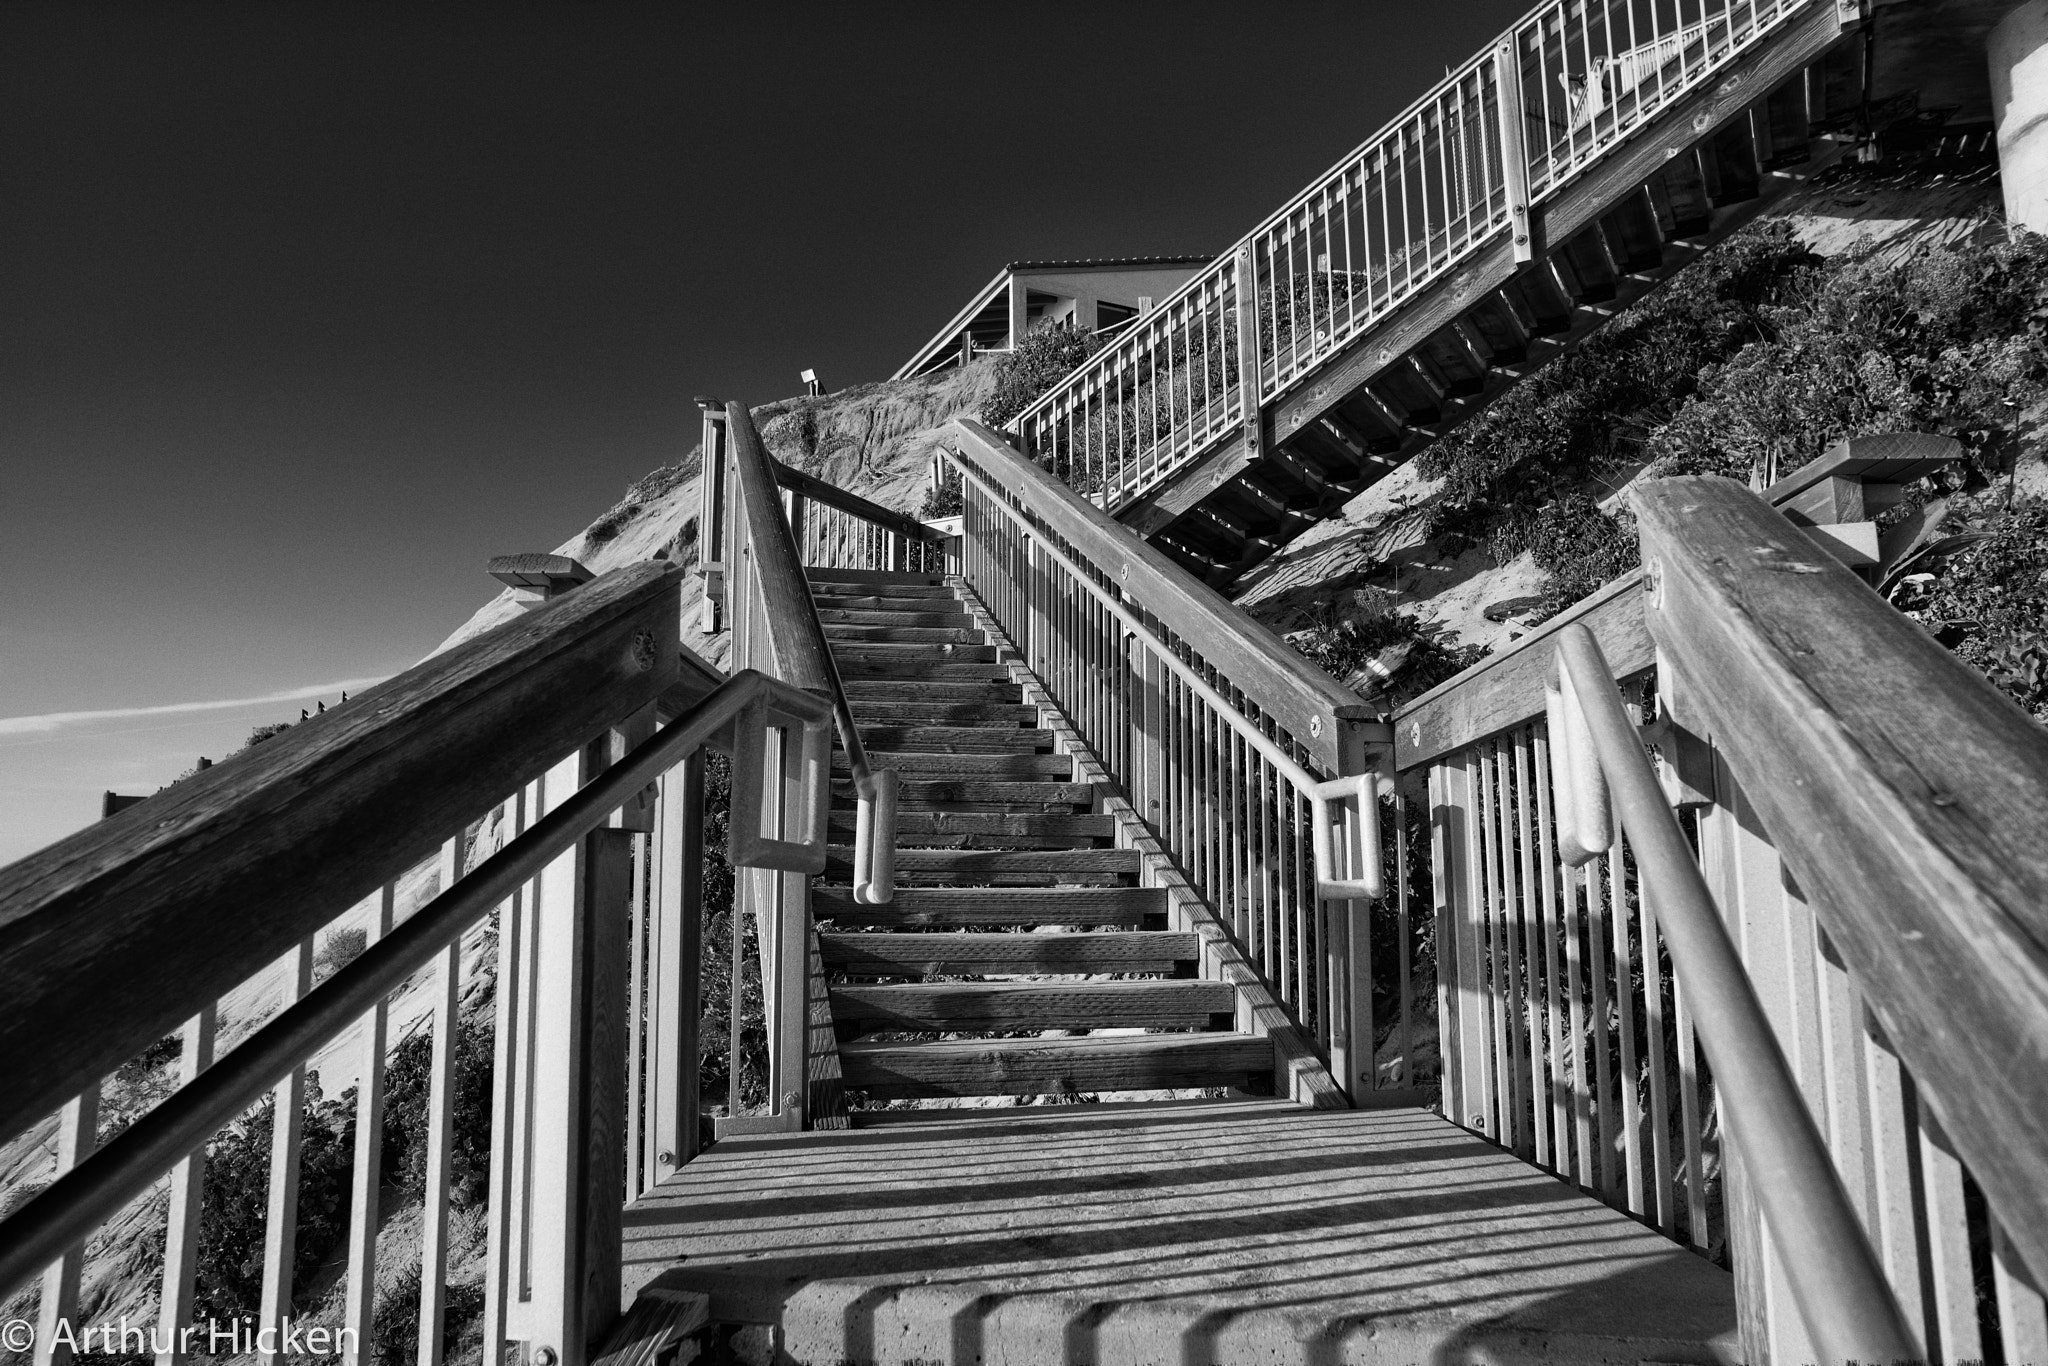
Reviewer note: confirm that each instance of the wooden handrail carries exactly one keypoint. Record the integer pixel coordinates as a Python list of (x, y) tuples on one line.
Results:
[(66, 1211), (1303, 699), (175, 901), (831, 495), (1903, 792)]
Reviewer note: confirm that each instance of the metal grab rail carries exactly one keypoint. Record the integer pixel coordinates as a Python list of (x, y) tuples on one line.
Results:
[(1837, 1280), (801, 652), (1470, 159), (64, 1213)]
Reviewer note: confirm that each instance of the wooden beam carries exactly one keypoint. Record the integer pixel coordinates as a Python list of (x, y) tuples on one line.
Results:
[(183, 897), (1904, 793), (831, 495), (1507, 689)]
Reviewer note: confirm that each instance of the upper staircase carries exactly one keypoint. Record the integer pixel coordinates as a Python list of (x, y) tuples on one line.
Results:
[(1588, 154), (1018, 956)]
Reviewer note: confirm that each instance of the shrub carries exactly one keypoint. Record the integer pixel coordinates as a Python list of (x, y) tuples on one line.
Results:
[(340, 948), (1990, 602), (407, 1083), (1406, 646), (1045, 356), (1580, 548)]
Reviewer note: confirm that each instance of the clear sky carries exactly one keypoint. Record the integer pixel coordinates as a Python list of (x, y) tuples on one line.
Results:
[(306, 311)]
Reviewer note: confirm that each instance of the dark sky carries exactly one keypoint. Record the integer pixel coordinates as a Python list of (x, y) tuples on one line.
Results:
[(307, 310)]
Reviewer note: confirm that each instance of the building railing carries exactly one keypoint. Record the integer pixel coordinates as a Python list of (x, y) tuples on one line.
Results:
[(1473, 158), (1856, 826), (1259, 778)]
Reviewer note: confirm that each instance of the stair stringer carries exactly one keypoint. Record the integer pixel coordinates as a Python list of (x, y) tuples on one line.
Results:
[(1298, 1072)]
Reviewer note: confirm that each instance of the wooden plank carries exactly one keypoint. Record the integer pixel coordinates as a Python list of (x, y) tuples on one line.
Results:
[(1116, 906), (1304, 700), (1161, 507), (1886, 457), (955, 690), (955, 1006), (1506, 689), (954, 739), (1007, 1067), (971, 863), (997, 793), (929, 955), (1905, 795), (890, 616), (831, 495), (906, 635), (173, 902), (980, 764), (824, 579), (891, 711), (824, 1083)]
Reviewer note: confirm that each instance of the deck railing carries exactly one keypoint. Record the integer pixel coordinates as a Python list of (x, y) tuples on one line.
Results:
[(1863, 813), (1256, 779), (530, 786), (1473, 158)]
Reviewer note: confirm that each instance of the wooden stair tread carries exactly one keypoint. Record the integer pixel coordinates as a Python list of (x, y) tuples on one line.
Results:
[(955, 739), (894, 711), (889, 954), (987, 793), (852, 667), (998, 690), (941, 906), (1117, 1062), (975, 762), (867, 579), (958, 635), (966, 861), (863, 616), (951, 1007)]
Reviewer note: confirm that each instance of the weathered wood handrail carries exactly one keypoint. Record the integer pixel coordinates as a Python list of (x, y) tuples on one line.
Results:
[(1902, 791), (831, 495), (66, 1211), (1308, 703), (796, 636), (175, 901)]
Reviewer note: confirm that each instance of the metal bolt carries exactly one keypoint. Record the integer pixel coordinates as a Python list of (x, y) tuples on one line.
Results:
[(544, 1356), (666, 1159)]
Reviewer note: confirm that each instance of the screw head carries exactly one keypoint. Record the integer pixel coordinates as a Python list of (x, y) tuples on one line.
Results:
[(544, 1356), (666, 1159)]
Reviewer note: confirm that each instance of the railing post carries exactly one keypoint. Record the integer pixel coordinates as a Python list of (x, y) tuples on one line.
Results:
[(712, 513), (1352, 1037), (678, 950), (1250, 386), (287, 1124), (1514, 156), (77, 1124)]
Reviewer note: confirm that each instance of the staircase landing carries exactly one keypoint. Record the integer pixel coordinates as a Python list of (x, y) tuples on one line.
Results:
[(1175, 1234)]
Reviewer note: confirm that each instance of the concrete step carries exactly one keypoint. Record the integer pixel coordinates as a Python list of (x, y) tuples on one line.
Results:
[(925, 954), (986, 829), (1014, 1067), (941, 907), (998, 867), (976, 763), (959, 1007)]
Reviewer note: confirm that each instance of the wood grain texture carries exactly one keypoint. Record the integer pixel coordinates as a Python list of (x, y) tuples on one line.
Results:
[(974, 863), (882, 954), (1129, 1062), (890, 616), (173, 902), (893, 711), (824, 1085), (948, 1007), (1295, 693), (971, 764), (992, 793), (917, 635), (956, 739), (1113, 906), (831, 495), (999, 691), (799, 650), (1507, 689), (1904, 793)]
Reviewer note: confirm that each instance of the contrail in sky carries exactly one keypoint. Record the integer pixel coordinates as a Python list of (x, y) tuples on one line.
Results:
[(57, 720)]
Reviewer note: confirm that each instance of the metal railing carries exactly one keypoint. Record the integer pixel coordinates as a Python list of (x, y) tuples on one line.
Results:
[(1261, 780), (1473, 158), (1702, 1015)]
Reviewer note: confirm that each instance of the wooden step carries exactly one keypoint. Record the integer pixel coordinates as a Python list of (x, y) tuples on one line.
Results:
[(985, 829), (925, 635), (891, 653), (933, 690), (918, 664), (1010, 1067), (980, 764), (957, 1007), (981, 794), (854, 600), (869, 580), (890, 711), (998, 867), (885, 954), (956, 739), (839, 616), (1125, 907)]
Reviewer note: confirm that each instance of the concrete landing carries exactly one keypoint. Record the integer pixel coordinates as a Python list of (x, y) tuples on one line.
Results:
[(1191, 1233)]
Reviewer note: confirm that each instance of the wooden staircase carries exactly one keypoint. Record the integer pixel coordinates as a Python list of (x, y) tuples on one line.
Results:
[(1019, 956)]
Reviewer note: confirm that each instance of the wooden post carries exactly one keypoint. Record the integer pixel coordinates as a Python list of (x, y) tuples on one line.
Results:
[(1020, 315), (1250, 387), (1514, 155), (77, 1126), (712, 513), (359, 1304), (287, 1122), (440, 1131), (678, 949), (1352, 1040)]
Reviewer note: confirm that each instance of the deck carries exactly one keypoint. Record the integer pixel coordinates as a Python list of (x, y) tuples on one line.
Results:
[(1189, 1232)]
